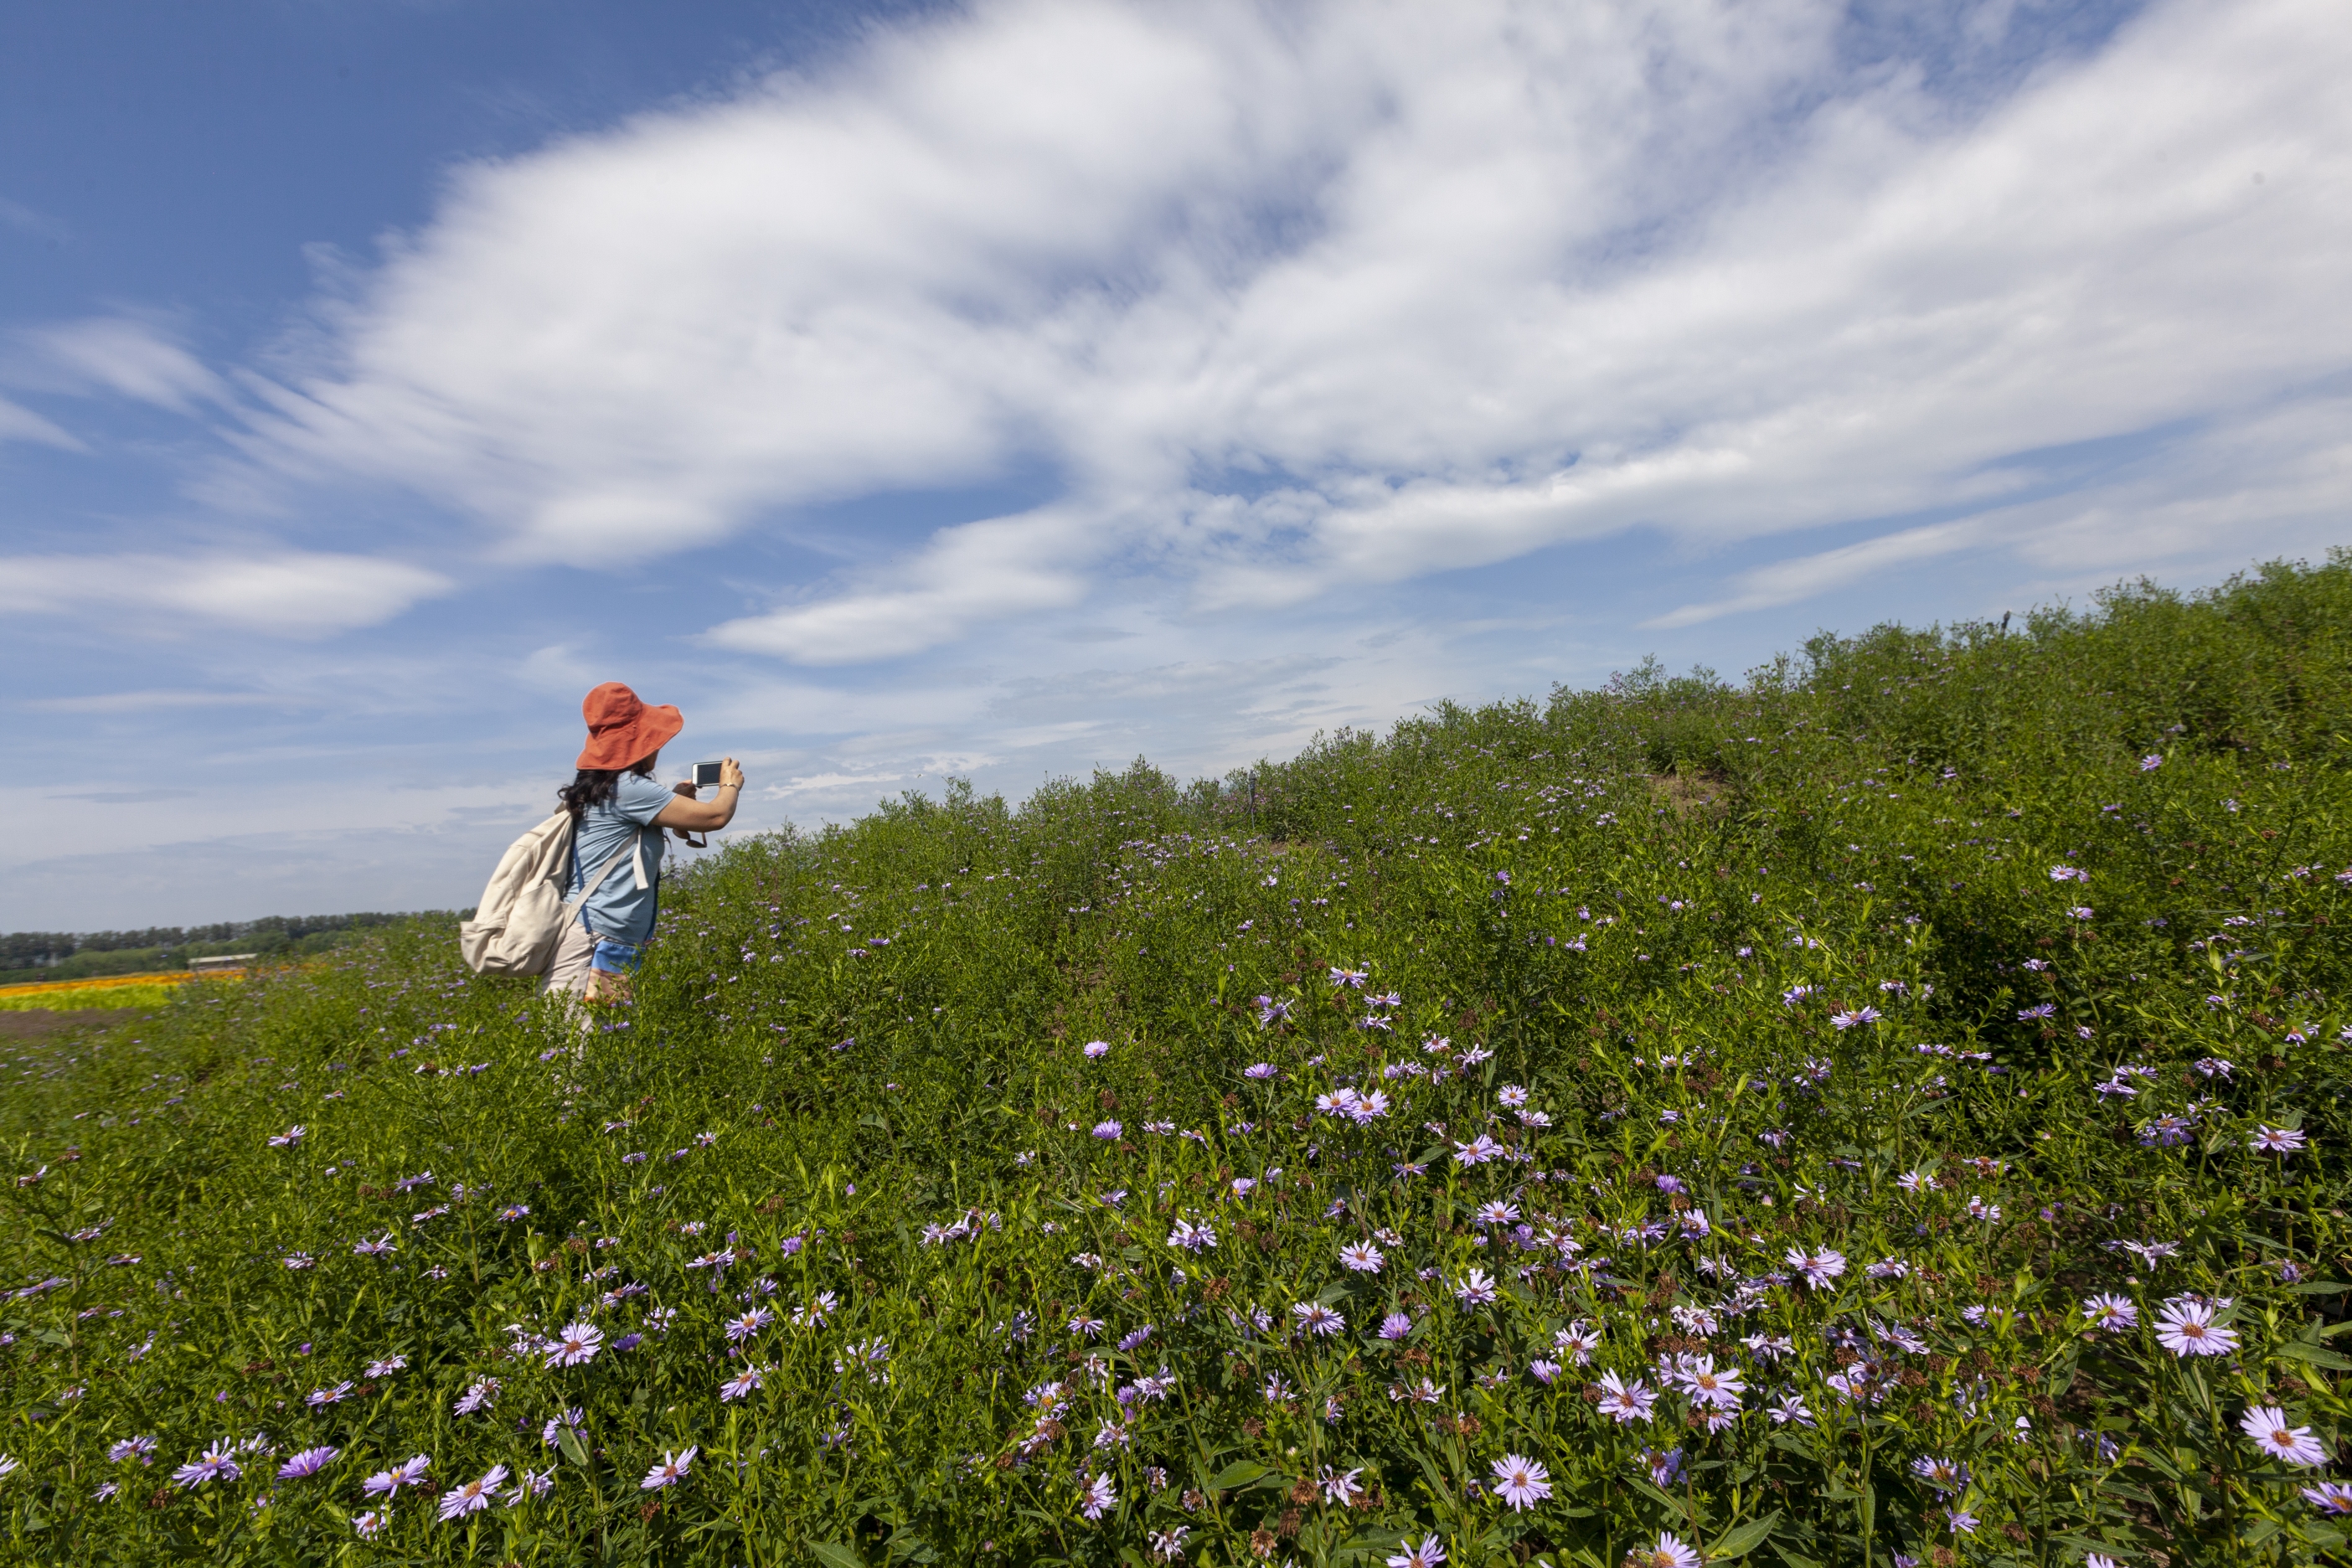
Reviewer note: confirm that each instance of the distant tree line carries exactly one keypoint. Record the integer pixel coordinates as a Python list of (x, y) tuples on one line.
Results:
[(44, 955)]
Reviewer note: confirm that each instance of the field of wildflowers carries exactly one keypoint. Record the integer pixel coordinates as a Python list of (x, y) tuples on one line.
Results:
[(1885, 1111)]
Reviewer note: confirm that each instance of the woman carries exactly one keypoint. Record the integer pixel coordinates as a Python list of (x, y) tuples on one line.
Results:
[(617, 815)]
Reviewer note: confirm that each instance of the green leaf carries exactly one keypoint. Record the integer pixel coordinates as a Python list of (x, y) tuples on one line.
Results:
[(1240, 1473), (567, 1438), (1645, 1488), (1371, 1543), (838, 1555), (1739, 1542), (2296, 1350), (1794, 1558), (1374, 1539)]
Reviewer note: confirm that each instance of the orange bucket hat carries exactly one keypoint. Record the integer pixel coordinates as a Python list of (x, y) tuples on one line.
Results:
[(623, 730)]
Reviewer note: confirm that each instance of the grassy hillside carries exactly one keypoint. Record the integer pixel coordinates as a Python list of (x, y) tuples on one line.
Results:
[(1828, 1118)]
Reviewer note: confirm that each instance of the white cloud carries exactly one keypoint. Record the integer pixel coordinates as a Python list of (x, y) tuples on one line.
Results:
[(131, 358), (980, 572), (287, 593), (1789, 582), (1300, 298), (19, 423), (158, 700)]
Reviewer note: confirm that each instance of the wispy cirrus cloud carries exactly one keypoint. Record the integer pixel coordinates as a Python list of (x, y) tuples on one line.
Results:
[(21, 424), (279, 593), (123, 356), (157, 699)]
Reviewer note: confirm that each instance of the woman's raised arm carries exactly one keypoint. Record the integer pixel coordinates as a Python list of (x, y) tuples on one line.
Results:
[(707, 816)]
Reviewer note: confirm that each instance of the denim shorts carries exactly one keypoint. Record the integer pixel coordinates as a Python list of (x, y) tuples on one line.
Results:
[(613, 957)]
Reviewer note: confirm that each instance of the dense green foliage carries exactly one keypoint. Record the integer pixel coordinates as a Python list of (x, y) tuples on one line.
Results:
[(44, 956), (1847, 1031)]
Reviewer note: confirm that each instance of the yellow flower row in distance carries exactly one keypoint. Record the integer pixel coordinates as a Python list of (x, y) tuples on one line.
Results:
[(103, 991)]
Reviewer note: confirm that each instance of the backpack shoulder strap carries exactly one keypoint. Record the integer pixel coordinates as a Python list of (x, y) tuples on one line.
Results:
[(588, 890)]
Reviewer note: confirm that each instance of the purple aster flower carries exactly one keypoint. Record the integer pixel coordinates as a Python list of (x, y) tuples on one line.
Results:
[(307, 1463), (579, 1345), (1521, 1482), (2267, 1426), (1191, 1237), (2329, 1497), (1624, 1403), (1817, 1267), (1948, 1476), (474, 1496), (2186, 1328), (387, 1483), (1428, 1554), (216, 1464), (671, 1470), (739, 1329), (1314, 1318), (1670, 1551), (1108, 1131)]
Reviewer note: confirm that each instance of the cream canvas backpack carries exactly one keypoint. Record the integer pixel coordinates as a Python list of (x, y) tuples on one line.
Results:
[(517, 925)]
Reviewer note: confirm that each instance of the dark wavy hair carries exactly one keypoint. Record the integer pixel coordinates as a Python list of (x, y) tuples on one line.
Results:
[(596, 786)]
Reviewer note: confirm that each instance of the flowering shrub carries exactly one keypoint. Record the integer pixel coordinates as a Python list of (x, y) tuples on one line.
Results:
[(1475, 1145)]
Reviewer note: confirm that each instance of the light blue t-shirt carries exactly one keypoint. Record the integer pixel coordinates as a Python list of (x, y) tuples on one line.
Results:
[(621, 910)]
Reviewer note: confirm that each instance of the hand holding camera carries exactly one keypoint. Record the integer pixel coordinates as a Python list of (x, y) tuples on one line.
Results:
[(688, 815)]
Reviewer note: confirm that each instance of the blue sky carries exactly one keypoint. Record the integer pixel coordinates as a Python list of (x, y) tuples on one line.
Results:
[(1015, 388)]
